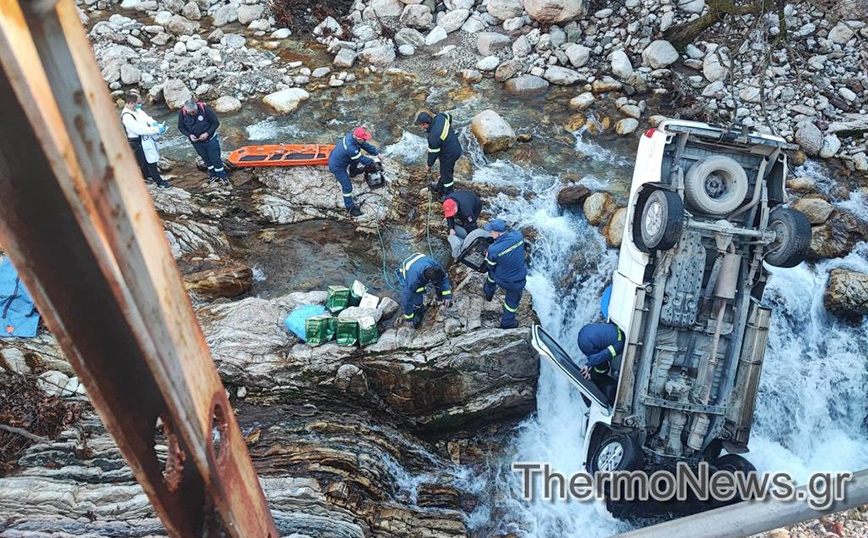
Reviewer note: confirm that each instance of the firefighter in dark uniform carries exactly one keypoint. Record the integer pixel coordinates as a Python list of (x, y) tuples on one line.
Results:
[(507, 269), (416, 272), (461, 209), (601, 342), (443, 144), (347, 161)]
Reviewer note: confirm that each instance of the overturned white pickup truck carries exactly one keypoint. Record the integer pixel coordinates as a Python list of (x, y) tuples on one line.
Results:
[(705, 217)]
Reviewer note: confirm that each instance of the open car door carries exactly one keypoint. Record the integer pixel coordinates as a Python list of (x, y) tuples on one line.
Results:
[(548, 348)]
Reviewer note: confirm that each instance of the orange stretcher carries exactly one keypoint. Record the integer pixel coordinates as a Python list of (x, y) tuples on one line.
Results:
[(281, 155)]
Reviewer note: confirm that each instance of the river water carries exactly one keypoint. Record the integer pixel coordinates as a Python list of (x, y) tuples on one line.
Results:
[(811, 413)]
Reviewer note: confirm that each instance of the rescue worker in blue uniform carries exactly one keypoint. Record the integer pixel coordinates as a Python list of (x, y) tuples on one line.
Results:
[(347, 161), (443, 144), (601, 342), (416, 272), (198, 122), (507, 269)]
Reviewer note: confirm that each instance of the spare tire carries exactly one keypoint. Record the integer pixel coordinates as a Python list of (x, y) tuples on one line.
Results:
[(793, 240), (716, 185)]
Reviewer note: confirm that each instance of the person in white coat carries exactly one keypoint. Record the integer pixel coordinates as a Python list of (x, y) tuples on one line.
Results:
[(142, 132)]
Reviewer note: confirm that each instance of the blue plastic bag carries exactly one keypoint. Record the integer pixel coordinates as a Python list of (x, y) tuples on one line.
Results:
[(18, 315), (604, 302), (295, 321)]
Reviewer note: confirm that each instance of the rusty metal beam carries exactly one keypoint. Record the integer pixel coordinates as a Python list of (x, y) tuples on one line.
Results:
[(80, 227)]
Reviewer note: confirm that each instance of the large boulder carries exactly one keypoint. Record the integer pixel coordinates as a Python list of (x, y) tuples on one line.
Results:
[(561, 76), (387, 8), (430, 377), (810, 138), (492, 131), (621, 66), (573, 196), (248, 13), (229, 280), (175, 93), (555, 11), (526, 86), (837, 236), (179, 25), (505, 9), (227, 103), (660, 54), (578, 55), (815, 208), (598, 207), (716, 65), (847, 292), (286, 101), (613, 230), (225, 14)]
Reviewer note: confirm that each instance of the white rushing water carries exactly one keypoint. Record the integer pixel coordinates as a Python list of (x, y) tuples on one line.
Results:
[(811, 412)]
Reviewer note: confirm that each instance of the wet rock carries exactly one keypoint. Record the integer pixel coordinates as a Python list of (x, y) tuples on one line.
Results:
[(417, 16), (380, 52), (226, 104), (506, 70), (632, 111), (847, 292), (660, 54), (526, 86), (809, 138), (229, 280), (621, 66), (837, 236), (582, 101), (815, 208), (606, 85), (350, 378), (561, 76), (505, 9), (573, 196), (613, 230), (175, 93), (801, 184), (488, 43), (627, 126), (598, 207), (286, 101), (554, 11), (492, 131), (453, 20)]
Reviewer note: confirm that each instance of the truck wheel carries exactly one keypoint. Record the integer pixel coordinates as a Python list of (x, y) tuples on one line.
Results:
[(733, 463), (716, 185), (793, 239), (616, 452), (658, 221)]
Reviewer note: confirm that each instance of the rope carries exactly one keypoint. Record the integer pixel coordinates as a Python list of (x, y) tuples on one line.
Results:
[(385, 265), (428, 224)]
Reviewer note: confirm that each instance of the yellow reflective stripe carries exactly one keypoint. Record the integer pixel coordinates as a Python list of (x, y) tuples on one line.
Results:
[(447, 292), (509, 308), (357, 155), (619, 332), (490, 262), (612, 351), (449, 184), (510, 249), (348, 194), (601, 370), (433, 150), (446, 124), (490, 280), (420, 290), (409, 316)]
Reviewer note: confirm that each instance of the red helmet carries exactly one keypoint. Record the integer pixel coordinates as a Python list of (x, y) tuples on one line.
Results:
[(360, 132), (450, 208)]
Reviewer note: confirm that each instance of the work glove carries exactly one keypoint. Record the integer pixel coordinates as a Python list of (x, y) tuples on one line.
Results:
[(163, 128)]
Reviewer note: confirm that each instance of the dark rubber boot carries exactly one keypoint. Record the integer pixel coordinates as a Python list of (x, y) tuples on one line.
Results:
[(354, 212)]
